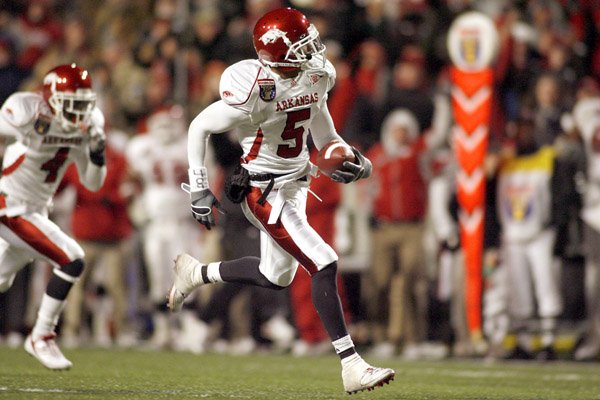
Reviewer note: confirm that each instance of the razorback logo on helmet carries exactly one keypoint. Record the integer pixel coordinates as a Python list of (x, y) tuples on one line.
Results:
[(50, 78), (272, 35)]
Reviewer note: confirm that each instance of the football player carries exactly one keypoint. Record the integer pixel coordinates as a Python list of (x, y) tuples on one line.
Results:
[(155, 160), (273, 102), (528, 208), (51, 130), (586, 117)]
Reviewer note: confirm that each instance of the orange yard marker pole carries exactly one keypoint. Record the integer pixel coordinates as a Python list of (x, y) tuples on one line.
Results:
[(472, 45)]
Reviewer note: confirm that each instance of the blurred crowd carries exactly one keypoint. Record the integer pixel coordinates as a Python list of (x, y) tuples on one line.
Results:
[(155, 64)]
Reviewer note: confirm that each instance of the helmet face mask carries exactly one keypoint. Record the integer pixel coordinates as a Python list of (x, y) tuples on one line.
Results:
[(73, 109), (284, 39), (307, 47), (68, 91)]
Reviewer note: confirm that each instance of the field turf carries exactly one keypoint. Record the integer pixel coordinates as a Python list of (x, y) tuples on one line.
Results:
[(131, 375)]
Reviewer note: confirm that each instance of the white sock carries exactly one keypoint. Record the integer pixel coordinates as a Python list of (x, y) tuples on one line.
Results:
[(47, 317), (548, 326), (213, 273), (351, 359)]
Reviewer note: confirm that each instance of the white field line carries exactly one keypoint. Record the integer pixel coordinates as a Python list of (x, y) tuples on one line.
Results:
[(100, 391), (478, 374)]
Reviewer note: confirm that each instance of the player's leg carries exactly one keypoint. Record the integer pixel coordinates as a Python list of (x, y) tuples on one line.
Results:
[(546, 287), (72, 315), (191, 273), (156, 259), (283, 244), (520, 297), (12, 260), (293, 235), (590, 347), (43, 239)]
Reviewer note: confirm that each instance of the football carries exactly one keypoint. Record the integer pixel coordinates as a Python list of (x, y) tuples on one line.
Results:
[(331, 157)]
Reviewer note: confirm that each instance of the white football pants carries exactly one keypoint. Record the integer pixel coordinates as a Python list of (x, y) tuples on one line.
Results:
[(533, 272), (290, 240)]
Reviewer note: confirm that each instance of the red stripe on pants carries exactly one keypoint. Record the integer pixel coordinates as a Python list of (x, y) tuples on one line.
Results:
[(34, 237), (277, 231)]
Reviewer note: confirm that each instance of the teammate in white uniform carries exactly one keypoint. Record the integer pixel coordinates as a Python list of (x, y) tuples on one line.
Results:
[(586, 115), (273, 102), (51, 130), (156, 161), (526, 203)]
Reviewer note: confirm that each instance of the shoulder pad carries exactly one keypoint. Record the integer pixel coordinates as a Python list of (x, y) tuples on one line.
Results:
[(324, 68), (238, 84), (21, 108), (331, 74)]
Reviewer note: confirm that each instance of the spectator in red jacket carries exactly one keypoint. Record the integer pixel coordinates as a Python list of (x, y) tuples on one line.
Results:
[(101, 226), (397, 303)]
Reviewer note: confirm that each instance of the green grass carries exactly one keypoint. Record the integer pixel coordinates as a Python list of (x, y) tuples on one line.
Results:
[(131, 375)]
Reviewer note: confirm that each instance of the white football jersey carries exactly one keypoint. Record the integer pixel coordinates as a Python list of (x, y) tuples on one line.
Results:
[(162, 167), (281, 111), (35, 163), (586, 114), (525, 196)]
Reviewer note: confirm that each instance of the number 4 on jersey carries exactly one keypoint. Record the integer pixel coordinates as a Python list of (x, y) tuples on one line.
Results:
[(53, 165)]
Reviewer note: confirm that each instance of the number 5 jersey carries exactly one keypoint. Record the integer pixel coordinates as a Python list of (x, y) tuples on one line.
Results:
[(280, 110)]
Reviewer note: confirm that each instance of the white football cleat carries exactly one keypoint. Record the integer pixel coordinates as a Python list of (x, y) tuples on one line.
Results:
[(47, 352), (588, 350), (183, 284), (358, 375)]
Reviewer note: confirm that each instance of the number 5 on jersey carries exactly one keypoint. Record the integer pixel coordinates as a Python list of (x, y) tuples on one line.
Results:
[(291, 132)]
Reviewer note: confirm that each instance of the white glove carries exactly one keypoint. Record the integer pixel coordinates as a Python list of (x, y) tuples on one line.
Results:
[(97, 143)]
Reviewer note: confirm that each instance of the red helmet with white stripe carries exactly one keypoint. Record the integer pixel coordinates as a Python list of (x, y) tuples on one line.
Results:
[(284, 39), (68, 91)]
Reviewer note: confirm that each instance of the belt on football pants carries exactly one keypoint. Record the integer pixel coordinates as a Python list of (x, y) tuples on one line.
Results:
[(271, 178)]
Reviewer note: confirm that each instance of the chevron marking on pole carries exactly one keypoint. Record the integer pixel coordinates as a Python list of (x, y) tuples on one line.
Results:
[(470, 104), (469, 141), (470, 222), (469, 183)]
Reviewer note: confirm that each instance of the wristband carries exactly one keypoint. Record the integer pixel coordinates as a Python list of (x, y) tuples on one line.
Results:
[(198, 178)]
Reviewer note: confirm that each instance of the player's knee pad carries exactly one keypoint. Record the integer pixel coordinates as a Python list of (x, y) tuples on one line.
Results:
[(328, 270), (266, 283), (70, 272)]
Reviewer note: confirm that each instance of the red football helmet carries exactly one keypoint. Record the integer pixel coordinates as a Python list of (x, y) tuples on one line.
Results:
[(284, 39), (68, 91)]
